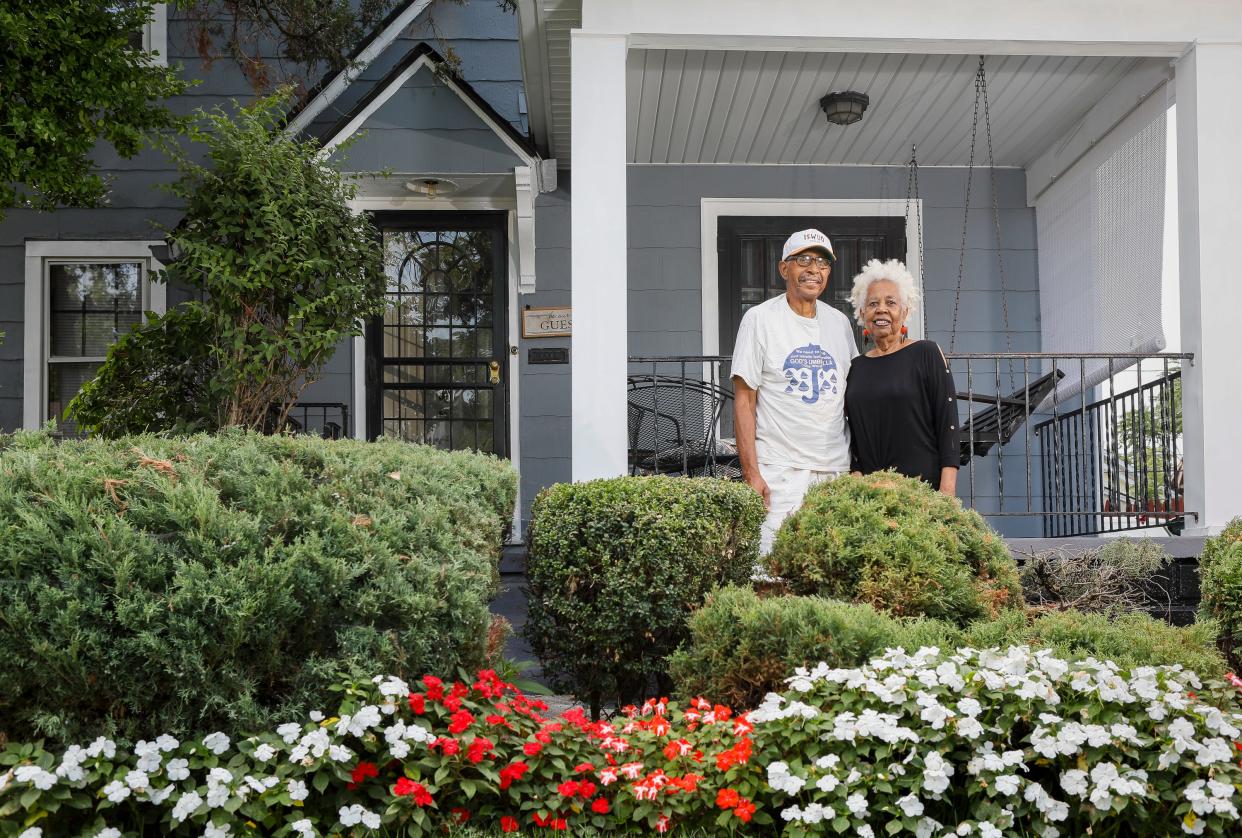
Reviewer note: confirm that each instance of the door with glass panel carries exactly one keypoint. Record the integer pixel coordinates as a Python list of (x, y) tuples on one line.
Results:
[(89, 306), (438, 358)]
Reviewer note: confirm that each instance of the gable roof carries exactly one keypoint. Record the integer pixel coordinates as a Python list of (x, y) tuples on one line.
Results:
[(424, 55), (335, 82)]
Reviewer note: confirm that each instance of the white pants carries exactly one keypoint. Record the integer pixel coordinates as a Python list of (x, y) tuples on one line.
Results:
[(787, 487)]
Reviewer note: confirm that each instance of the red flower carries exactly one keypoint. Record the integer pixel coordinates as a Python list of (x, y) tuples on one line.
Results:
[(460, 814), (511, 772), (744, 810), (569, 788), (727, 798), (559, 823), (447, 746), (435, 687), (662, 823), (722, 713), (532, 748), (583, 768), (586, 788), (451, 703), (600, 806), (361, 772), (508, 824), (407, 787), (478, 749), (544, 737), (418, 704), (497, 719), (460, 720)]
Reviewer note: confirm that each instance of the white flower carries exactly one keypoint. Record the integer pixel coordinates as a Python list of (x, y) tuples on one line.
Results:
[(108, 832), (264, 752), (35, 776), (316, 716), (102, 747), (137, 780), (827, 761), (910, 805), (969, 707), (935, 714), (987, 830), (857, 804), (865, 831), (219, 775), (828, 782), (297, 789), (216, 742), (355, 814), (793, 813), (33, 832), (166, 743), (158, 796), (1074, 782), (969, 728), (303, 828), (1007, 784), (186, 806), (927, 827), (289, 731), (217, 796), (339, 753), (213, 831), (177, 769), (394, 687), (116, 791)]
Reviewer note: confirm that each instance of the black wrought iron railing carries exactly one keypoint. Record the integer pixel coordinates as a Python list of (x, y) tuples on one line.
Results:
[(1052, 444), (324, 419)]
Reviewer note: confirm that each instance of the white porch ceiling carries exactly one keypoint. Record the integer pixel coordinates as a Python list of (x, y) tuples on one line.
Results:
[(724, 106)]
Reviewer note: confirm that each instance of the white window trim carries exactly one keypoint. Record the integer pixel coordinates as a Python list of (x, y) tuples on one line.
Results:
[(36, 346), (155, 35), (712, 209)]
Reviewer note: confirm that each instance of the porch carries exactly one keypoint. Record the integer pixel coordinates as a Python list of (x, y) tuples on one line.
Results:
[(1035, 222)]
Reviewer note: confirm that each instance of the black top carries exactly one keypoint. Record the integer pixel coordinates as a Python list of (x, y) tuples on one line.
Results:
[(902, 411)]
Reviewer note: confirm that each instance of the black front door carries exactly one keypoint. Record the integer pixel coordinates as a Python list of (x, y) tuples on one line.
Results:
[(437, 361), (750, 248)]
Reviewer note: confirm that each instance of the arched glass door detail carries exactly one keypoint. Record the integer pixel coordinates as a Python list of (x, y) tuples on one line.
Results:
[(438, 358)]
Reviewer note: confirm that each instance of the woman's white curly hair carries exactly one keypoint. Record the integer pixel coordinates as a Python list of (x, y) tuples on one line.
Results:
[(895, 271)]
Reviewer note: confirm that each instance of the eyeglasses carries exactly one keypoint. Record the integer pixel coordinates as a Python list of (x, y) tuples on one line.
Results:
[(805, 260)]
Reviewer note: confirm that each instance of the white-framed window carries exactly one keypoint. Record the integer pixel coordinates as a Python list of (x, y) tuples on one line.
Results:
[(80, 297)]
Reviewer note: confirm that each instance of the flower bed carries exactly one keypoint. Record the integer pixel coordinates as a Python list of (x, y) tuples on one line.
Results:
[(930, 743)]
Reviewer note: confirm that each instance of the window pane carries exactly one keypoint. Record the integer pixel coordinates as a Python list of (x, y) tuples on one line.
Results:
[(63, 383), (92, 305)]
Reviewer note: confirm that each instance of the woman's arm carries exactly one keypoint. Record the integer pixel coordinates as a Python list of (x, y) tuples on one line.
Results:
[(942, 396)]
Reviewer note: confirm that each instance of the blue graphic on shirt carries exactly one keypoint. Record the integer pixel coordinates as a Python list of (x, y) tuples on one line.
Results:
[(811, 371)]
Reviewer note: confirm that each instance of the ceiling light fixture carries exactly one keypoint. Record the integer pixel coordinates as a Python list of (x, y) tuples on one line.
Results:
[(431, 187), (844, 108)]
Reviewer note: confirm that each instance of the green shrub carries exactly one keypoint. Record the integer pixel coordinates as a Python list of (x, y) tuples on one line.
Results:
[(743, 646), (897, 544), (1130, 640), (615, 567), (218, 582), (1220, 583)]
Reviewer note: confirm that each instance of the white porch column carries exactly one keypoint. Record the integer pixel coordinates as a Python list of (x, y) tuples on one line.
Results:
[(598, 215), (1209, 172)]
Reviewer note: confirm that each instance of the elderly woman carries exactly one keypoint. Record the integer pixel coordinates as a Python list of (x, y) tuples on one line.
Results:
[(899, 398)]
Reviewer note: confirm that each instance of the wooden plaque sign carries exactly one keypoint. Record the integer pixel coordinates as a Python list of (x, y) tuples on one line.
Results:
[(547, 322)]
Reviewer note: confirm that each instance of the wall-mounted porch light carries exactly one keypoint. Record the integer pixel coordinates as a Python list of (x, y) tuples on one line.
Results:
[(844, 108)]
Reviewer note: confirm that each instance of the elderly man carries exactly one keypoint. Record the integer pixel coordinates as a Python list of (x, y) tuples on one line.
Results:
[(790, 361)]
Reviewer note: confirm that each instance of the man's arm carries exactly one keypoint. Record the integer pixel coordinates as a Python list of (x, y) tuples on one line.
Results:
[(744, 399)]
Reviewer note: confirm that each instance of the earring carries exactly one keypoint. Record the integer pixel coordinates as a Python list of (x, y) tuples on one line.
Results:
[(866, 336), (905, 333)]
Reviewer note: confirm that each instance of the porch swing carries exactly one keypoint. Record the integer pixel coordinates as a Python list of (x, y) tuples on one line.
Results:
[(1002, 416)]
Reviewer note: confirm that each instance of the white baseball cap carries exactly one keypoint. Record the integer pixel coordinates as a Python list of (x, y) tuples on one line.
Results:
[(805, 240)]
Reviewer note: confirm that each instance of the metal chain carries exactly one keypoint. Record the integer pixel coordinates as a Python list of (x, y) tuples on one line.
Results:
[(970, 172), (912, 192), (1000, 258)]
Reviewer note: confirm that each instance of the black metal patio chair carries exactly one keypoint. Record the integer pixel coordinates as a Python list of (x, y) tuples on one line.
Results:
[(672, 424)]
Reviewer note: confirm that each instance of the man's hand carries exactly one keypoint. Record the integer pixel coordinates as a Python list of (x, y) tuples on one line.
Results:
[(756, 482)]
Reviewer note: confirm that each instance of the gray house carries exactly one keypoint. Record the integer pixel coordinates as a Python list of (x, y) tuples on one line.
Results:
[(575, 223)]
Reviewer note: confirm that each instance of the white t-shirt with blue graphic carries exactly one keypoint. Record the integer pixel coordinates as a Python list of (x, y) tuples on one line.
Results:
[(798, 365)]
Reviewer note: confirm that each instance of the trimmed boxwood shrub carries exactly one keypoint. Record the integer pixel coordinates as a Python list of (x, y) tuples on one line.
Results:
[(897, 544), (743, 646), (220, 582), (1130, 639), (615, 567), (1220, 584)]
